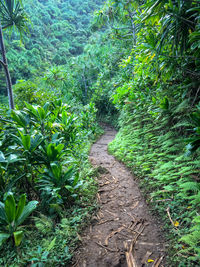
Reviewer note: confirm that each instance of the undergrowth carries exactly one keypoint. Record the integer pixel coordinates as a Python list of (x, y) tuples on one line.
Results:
[(44, 161), (52, 243), (156, 153)]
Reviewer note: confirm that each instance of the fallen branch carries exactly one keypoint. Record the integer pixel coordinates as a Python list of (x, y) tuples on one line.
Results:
[(109, 220), (114, 214), (131, 262), (112, 234), (158, 261), (146, 256), (135, 205), (109, 249), (133, 218), (136, 237), (98, 196)]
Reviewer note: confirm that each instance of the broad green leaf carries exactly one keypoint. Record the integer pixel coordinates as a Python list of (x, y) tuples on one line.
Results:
[(50, 150), (26, 141), (19, 118), (28, 209), (2, 157), (21, 205), (10, 208), (36, 141), (2, 212), (56, 170), (60, 147), (41, 113), (18, 237), (14, 158), (32, 110), (69, 188), (69, 174), (76, 179), (3, 237), (52, 244)]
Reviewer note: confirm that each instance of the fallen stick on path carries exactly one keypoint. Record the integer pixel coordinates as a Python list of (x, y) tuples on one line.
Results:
[(136, 237), (131, 262), (114, 214), (158, 261), (135, 205), (109, 249), (98, 196), (146, 256), (112, 234), (133, 217), (109, 220)]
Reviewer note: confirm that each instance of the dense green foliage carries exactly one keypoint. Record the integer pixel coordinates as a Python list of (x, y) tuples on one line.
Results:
[(138, 69), (44, 142), (58, 31), (44, 154)]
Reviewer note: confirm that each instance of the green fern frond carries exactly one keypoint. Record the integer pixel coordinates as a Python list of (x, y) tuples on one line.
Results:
[(182, 107), (196, 199), (190, 186), (183, 124)]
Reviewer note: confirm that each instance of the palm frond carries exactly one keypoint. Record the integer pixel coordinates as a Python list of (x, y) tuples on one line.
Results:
[(12, 14)]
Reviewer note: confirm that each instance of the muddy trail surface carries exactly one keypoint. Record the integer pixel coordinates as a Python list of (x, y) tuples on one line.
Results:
[(123, 232)]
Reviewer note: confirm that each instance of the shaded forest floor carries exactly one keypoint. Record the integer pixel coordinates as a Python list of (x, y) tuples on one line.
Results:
[(123, 232)]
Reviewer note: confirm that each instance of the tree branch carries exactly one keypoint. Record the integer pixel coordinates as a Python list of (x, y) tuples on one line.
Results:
[(2, 63), (6, 26)]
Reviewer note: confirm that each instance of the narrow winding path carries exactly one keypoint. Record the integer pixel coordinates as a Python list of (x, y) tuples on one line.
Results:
[(123, 232)]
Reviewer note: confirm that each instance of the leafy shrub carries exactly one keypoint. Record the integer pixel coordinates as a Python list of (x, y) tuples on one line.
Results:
[(11, 217)]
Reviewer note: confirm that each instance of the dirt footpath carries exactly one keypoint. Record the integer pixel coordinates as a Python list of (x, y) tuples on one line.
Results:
[(123, 232)]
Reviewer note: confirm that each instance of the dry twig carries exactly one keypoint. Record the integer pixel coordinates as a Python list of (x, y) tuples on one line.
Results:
[(158, 261), (146, 256), (109, 249), (112, 234), (131, 262), (109, 220), (170, 218)]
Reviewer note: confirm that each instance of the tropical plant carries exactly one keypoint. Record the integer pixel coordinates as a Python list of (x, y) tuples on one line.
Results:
[(11, 217), (59, 186)]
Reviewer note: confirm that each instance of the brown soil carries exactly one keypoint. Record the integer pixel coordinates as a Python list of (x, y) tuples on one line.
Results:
[(123, 232)]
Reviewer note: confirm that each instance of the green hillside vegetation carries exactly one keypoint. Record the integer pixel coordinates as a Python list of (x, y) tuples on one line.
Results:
[(134, 64), (58, 31)]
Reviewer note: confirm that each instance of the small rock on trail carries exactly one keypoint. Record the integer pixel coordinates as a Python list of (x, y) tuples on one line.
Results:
[(123, 232)]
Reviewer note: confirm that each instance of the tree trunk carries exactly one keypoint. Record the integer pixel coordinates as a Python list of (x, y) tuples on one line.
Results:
[(7, 73)]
